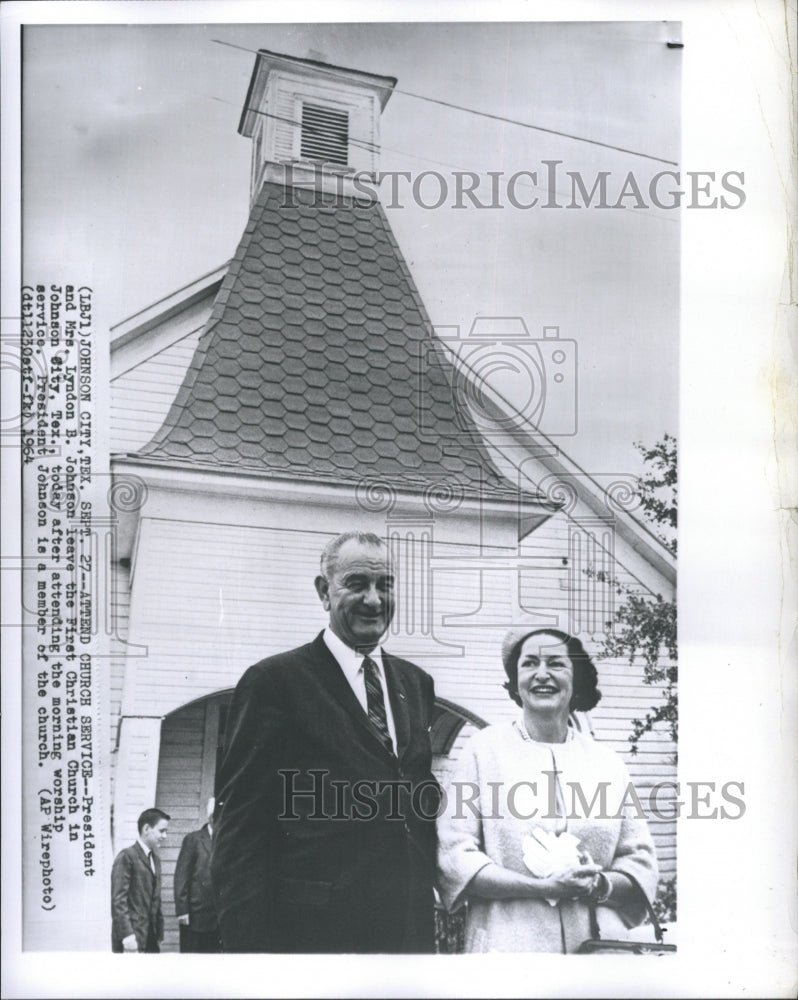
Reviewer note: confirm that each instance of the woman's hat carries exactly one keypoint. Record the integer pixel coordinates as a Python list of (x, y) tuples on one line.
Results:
[(516, 635), (586, 692)]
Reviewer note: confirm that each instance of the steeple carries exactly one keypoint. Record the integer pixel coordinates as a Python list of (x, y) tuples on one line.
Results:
[(312, 124), (318, 362)]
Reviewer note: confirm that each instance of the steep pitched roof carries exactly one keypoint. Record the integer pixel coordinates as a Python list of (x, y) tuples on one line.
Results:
[(319, 362)]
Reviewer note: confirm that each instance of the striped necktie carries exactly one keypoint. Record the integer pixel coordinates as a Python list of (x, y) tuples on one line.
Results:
[(376, 701)]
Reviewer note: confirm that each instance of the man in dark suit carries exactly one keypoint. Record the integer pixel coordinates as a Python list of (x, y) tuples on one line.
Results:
[(196, 913), (137, 918), (325, 822)]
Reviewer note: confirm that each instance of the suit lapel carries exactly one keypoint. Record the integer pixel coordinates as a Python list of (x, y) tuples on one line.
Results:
[(398, 697), (329, 672)]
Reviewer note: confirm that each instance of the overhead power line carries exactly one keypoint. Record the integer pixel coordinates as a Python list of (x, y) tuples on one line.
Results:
[(537, 128), (339, 74), (371, 147)]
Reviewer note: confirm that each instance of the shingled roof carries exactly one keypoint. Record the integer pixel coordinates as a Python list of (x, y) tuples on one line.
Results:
[(319, 362)]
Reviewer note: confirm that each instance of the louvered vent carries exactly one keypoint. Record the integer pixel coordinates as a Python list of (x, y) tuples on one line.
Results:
[(325, 134)]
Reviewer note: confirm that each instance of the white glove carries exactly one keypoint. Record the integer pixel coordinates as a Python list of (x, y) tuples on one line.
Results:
[(546, 854)]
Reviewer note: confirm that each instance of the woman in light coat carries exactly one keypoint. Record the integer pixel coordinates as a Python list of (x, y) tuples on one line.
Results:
[(540, 819)]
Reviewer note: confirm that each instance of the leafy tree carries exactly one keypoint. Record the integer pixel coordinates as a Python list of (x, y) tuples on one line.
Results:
[(644, 625), (665, 901), (658, 491)]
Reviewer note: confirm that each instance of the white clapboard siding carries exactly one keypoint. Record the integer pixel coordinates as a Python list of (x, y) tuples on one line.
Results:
[(560, 585), (210, 599), (141, 397)]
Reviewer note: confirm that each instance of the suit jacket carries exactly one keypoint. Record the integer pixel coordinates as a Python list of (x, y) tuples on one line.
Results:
[(324, 840), (193, 892), (135, 897)]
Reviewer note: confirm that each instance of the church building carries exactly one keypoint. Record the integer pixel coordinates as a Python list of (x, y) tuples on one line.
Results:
[(298, 392)]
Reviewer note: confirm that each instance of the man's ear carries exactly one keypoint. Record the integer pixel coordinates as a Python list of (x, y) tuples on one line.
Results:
[(323, 590)]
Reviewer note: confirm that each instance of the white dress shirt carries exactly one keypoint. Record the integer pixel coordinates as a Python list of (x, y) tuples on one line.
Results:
[(148, 852), (352, 665)]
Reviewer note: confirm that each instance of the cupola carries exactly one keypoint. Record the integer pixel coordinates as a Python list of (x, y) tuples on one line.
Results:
[(312, 124)]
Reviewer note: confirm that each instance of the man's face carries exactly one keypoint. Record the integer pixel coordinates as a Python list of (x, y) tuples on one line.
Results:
[(154, 836), (358, 594)]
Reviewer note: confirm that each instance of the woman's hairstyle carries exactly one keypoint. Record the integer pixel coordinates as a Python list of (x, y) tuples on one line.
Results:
[(586, 693)]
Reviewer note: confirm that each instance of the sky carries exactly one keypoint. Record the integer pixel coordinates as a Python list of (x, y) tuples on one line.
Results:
[(134, 171)]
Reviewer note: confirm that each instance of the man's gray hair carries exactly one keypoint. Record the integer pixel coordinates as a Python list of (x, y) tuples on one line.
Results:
[(330, 550)]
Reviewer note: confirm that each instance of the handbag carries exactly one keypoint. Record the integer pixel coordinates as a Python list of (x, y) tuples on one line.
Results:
[(597, 945)]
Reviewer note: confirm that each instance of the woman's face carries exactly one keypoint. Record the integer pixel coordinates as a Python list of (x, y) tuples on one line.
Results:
[(545, 675)]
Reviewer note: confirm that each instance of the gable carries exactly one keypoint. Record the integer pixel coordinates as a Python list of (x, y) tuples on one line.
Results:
[(150, 354)]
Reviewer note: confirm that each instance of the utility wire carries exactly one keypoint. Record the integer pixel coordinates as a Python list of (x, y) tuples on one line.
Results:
[(371, 147), (338, 74), (537, 128)]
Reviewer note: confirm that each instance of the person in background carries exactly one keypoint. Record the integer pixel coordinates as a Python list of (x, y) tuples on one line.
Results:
[(196, 914), (541, 826), (136, 913)]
